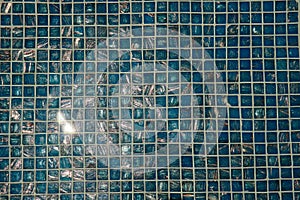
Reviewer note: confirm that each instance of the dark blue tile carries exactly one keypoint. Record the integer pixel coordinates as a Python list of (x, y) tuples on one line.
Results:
[(220, 7), (256, 18), (280, 6), (16, 188), (5, 20), (149, 6), (293, 28), (280, 18), (268, 6), (286, 185), (42, 19), (173, 6), (17, 20), (113, 8), (184, 6), (244, 6), (269, 18), (255, 6), (136, 7), (208, 7), (161, 7)]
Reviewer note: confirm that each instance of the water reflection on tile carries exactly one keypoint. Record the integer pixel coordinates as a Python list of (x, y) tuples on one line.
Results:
[(149, 100)]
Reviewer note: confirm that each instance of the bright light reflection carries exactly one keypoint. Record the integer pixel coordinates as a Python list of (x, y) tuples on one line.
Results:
[(67, 127)]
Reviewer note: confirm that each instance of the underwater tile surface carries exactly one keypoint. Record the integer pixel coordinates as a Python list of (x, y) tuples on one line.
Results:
[(149, 100)]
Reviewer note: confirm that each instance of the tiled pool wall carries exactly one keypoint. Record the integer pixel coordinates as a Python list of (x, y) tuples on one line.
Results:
[(149, 100)]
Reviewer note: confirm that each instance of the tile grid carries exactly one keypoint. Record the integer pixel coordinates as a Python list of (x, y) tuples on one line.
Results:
[(256, 107)]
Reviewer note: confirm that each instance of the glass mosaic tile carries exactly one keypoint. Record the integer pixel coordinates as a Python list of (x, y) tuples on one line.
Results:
[(149, 100)]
